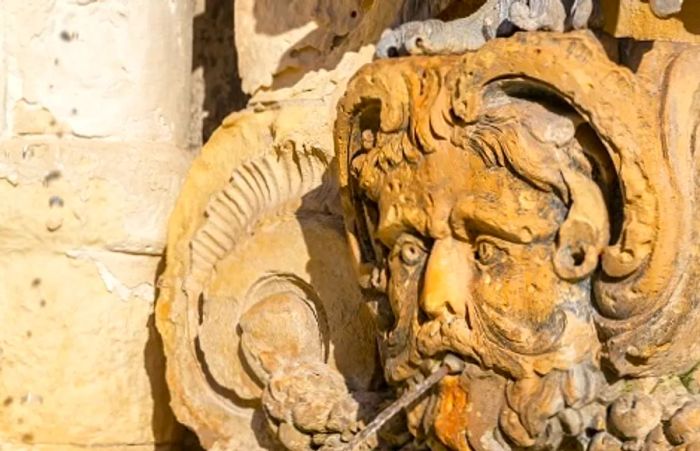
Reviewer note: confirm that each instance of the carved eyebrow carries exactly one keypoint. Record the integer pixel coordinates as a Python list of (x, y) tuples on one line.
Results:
[(467, 216), (389, 234), (463, 224), (388, 231)]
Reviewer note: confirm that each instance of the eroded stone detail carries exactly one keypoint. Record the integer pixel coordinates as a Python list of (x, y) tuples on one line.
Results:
[(258, 305), (522, 221), (665, 8), (523, 208), (494, 18)]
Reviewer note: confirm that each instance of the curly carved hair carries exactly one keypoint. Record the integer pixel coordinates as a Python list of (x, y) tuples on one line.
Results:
[(537, 144)]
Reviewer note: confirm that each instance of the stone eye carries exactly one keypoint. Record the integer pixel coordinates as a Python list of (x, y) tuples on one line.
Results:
[(411, 253), (487, 253)]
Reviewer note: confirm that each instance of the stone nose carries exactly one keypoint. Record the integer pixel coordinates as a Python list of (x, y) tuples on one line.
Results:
[(447, 277)]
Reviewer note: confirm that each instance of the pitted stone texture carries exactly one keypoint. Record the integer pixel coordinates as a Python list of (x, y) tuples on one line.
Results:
[(97, 69), (79, 365), (80, 246), (94, 114), (73, 197)]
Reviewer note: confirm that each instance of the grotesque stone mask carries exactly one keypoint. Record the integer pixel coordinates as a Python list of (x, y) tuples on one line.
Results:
[(523, 224), (505, 217), (485, 249), (479, 254)]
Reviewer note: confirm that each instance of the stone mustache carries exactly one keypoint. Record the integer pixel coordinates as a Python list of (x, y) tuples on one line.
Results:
[(529, 208)]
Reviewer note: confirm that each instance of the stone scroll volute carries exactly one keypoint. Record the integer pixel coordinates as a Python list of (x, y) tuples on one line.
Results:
[(258, 284), (523, 207)]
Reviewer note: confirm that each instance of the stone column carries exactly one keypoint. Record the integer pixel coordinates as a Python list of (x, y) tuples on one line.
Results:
[(94, 123)]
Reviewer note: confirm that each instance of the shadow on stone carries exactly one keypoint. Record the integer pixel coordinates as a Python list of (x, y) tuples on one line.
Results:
[(214, 53), (167, 432)]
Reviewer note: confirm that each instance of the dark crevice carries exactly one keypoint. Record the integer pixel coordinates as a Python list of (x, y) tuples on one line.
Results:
[(214, 51)]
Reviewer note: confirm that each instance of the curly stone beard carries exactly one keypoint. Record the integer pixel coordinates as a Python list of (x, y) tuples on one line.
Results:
[(514, 407), (461, 278)]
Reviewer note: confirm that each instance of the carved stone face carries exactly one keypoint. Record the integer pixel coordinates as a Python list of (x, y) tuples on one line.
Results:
[(469, 249), (544, 254), (470, 244)]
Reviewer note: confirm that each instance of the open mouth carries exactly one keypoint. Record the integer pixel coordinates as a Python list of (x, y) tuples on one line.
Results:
[(417, 385), (440, 377), (411, 353)]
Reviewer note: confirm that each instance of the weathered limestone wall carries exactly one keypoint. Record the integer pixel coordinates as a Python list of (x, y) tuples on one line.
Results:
[(94, 131)]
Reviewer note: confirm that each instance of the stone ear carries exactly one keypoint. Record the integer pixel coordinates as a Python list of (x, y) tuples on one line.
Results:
[(585, 232), (577, 250)]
